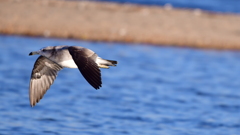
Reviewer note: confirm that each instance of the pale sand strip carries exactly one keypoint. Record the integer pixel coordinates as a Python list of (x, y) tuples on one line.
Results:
[(121, 23)]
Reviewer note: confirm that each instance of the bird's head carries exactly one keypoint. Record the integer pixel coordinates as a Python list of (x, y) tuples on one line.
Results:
[(46, 51)]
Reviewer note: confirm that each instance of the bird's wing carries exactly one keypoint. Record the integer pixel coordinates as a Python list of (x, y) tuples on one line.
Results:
[(43, 75), (85, 59)]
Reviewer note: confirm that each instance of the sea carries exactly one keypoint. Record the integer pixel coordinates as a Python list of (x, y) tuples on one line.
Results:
[(152, 91)]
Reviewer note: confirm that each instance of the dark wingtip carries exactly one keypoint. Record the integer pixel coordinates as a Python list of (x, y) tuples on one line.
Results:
[(97, 87), (30, 53), (32, 105)]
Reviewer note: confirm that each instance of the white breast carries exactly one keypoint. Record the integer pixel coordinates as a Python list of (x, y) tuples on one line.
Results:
[(68, 64)]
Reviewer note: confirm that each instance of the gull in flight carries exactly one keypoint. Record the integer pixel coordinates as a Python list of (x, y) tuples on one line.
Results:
[(54, 58)]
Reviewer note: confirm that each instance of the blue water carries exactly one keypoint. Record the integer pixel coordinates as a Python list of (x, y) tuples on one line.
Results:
[(152, 91), (229, 6)]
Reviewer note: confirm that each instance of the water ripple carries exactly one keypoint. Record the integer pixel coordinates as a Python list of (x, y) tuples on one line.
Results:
[(152, 91)]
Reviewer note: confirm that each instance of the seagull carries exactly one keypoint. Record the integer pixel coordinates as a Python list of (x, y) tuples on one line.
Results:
[(54, 58)]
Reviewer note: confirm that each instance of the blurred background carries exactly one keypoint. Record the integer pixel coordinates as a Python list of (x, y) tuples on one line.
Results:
[(230, 6), (177, 73)]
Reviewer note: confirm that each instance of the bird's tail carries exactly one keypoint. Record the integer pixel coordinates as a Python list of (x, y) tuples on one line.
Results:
[(112, 62), (102, 63)]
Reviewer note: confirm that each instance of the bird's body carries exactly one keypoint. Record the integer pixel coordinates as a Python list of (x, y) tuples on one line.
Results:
[(63, 57), (54, 58)]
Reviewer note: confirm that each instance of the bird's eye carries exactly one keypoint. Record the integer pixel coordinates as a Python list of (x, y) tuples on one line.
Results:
[(44, 50)]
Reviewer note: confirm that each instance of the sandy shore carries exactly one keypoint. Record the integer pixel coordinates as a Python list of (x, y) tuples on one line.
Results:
[(121, 23)]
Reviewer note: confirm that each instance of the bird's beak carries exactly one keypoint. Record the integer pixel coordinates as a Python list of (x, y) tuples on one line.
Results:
[(33, 53)]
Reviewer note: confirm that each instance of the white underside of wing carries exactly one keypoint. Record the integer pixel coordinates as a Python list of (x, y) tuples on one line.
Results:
[(68, 64)]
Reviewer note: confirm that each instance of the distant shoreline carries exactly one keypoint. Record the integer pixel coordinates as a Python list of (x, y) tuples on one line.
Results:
[(102, 21)]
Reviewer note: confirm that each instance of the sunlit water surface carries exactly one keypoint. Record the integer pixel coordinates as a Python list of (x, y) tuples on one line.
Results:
[(152, 91)]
